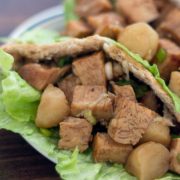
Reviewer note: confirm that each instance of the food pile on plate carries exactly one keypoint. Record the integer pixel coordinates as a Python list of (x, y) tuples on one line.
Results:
[(115, 94)]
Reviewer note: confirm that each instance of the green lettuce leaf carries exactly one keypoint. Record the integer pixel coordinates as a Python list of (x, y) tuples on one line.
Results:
[(37, 36), (6, 61), (69, 10), (81, 167), (20, 99), (70, 166), (153, 69), (170, 176), (18, 105)]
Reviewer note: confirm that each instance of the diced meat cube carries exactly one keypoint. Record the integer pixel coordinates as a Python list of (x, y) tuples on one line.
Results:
[(40, 76), (149, 100), (138, 10), (107, 24), (106, 149), (170, 26), (90, 69), (85, 8), (77, 29), (175, 155), (53, 108), (108, 18), (172, 59), (68, 84), (125, 91), (111, 31), (163, 6), (174, 83), (130, 122), (94, 98), (75, 132)]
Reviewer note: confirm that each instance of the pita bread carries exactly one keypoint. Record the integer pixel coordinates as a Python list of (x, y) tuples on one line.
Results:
[(74, 47)]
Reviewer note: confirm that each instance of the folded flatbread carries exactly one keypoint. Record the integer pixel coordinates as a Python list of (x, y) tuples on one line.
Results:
[(74, 47)]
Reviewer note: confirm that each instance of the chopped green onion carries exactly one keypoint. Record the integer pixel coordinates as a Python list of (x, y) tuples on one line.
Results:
[(89, 116), (161, 55), (178, 157), (64, 61), (123, 82), (45, 132)]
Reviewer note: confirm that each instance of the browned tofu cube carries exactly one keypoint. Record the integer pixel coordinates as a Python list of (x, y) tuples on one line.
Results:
[(149, 100), (107, 150), (163, 7), (111, 31), (175, 155), (174, 83), (125, 91), (85, 8), (130, 122), (90, 69), (78, 29), (170, 26), (68, 84), (138, 10), (40, 76), (108, 24), (94, 98), (75, 132), (108, 18), (172, 60)]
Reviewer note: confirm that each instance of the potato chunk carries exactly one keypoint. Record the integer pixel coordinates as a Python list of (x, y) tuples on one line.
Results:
[(105, 149), (140, 38), (174, 83), (148, 161), (53, 108), (90, 69), (94, 98), (158, 131), (175, 155), (75, 132)]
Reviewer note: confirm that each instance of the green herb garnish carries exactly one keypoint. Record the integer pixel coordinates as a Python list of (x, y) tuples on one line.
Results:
[(89, 116), (45, 132), (64, 61), (161, 55)]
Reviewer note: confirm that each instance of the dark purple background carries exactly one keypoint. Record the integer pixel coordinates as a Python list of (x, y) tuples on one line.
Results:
[(18, 160)]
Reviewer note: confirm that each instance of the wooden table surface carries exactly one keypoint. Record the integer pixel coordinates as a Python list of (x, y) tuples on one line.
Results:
[(18, 160)]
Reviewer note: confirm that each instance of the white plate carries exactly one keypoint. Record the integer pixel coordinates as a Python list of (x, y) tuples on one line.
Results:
[(53, 19)]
